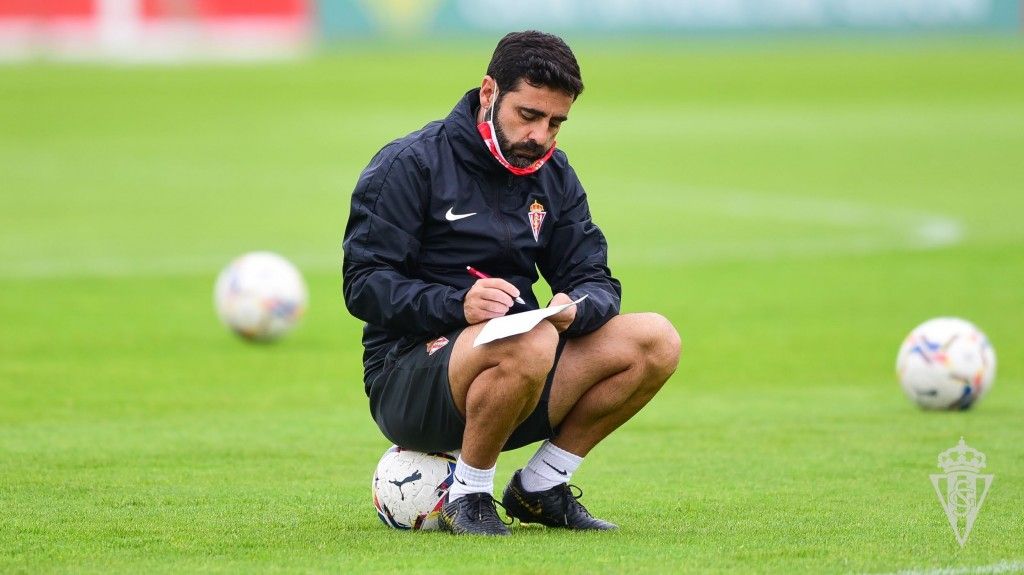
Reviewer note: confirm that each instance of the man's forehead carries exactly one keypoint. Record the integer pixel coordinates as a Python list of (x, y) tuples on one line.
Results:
[(540, 98)]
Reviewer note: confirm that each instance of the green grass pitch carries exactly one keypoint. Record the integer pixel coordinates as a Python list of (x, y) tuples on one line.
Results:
[(794, 208)]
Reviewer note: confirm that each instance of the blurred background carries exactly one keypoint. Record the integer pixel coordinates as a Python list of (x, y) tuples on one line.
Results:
[(172, 30), (181, 103), (794, 183)]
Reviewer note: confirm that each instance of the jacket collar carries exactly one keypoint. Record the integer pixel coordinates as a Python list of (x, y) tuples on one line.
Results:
[(469, 145)]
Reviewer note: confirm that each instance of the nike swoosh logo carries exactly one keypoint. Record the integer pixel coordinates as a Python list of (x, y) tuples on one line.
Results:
[(459, 480), (451, 216), (559, 471)]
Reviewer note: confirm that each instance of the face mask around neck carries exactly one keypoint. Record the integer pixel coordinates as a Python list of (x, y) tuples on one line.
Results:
[(490, 135)]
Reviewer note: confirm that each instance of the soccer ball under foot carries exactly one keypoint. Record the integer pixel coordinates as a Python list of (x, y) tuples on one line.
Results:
[(409, 487)]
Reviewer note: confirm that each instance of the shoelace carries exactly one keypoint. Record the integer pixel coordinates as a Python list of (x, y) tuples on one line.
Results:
[(482, 501), (572, 503)]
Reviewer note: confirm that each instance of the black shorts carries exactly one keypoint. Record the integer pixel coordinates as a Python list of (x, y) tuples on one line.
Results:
[(411, 401)]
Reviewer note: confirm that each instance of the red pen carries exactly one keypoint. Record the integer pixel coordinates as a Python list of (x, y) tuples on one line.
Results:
[(481, 275)]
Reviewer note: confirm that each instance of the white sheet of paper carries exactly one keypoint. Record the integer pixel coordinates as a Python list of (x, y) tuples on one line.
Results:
[(517, 323)]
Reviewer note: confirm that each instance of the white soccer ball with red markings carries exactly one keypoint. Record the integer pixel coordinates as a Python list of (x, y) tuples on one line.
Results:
[(260, 296), (409, 487), (946, 363)]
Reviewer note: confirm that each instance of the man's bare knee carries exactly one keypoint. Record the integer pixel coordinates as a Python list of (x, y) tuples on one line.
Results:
[(514, 368), (531, 354), (519, 370), (660, 344)]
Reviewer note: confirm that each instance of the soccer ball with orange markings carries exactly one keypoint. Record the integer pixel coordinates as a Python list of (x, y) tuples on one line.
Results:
[(260, 296), (946, 363)]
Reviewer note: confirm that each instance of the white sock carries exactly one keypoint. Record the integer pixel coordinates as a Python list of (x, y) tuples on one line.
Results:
[(468, 479), (549, 467)]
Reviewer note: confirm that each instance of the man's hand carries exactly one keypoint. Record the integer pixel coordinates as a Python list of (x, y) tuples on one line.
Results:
[(563, 319), (487, 299)]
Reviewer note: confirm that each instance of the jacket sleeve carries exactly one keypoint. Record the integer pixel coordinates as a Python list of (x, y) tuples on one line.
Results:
[(576, 263), (381, 247)]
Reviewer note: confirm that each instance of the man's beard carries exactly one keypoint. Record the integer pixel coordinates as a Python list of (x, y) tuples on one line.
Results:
[(520, 155)]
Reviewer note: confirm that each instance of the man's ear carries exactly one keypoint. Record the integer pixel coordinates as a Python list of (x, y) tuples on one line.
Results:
[(487, 92)]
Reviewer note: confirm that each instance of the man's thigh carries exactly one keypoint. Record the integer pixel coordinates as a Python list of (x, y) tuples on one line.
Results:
[(415, 401), (468, 362), (592, 358)]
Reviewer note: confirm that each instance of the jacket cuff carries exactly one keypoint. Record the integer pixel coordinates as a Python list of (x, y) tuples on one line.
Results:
[(591, 314), (454, 306)]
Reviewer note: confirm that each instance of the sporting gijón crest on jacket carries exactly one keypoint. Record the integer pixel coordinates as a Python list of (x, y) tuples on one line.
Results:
[(435, 201)]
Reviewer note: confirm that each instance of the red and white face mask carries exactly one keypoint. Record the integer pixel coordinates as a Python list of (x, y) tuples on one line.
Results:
[(490, 135)]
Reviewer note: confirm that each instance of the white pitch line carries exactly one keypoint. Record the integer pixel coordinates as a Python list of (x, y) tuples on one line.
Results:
[(151, 266), (865, 228), (995, 568)]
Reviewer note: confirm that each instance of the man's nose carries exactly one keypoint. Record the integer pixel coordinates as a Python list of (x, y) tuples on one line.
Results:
[(540, 133)]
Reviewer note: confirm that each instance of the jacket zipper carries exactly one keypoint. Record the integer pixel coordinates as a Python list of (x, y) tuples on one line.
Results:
[(501, 214)]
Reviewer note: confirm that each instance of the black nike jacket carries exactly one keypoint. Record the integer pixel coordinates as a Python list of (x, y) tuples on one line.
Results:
[(435, 201)]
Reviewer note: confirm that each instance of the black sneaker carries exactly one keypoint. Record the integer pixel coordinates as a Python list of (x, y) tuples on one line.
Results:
[(556, 507), (472, 514)]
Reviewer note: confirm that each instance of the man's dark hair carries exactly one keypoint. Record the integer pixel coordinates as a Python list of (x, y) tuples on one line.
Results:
[(540, 59)]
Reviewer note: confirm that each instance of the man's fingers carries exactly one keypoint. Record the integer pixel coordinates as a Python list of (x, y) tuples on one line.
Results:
[(500, 284), (492, 307), (497, 296), (500, 298), (559, 299), (564, 316), (489, 298), (563, 319), (476, 314)]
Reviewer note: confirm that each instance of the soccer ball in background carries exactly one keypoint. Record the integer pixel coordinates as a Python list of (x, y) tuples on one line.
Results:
[(260, 296), (946, 363), (409, 487)]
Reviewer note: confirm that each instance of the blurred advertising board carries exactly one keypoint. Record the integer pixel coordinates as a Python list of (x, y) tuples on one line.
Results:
[(343, 18), (148, 30), (173, 30)]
